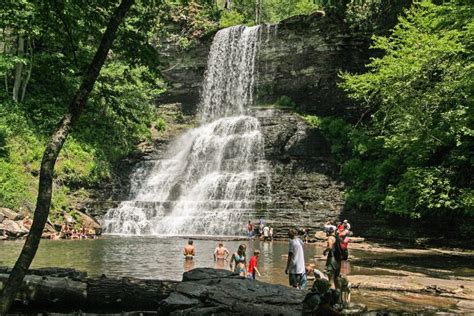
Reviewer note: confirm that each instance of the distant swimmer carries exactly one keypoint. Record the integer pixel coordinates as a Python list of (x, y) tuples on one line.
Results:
[(189, 252)]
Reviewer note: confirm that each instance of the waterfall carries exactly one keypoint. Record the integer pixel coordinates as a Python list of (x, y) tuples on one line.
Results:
[(206, 184)]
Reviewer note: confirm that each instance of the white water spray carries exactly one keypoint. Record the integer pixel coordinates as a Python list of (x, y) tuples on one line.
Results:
[(207, 183)]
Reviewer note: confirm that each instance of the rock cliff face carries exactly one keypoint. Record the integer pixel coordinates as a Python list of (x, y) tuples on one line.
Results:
[(304, 189), (299, 58)]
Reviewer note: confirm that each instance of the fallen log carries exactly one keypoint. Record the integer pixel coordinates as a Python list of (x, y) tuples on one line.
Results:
[(53, 293)]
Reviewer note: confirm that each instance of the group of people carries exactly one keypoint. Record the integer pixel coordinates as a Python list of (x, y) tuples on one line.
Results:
[(69, 232), (265, 232), (336, 251), (238, 261)]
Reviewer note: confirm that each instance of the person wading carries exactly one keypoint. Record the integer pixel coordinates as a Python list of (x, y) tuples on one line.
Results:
[(333, 252), (189, 252), (220, 255), (240, 261), (295, 266)]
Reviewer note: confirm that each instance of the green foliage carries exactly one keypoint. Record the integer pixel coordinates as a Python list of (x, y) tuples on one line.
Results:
[(160, 124), (414, 156), (373, 15), (13, 185), (118, 115), (231, 18), (277, 10), (243, 11), (313, 120), (422, 191), (285, 101), (186, 21)]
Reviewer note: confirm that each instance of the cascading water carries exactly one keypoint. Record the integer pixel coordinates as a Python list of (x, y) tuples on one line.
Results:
[(207, 185)]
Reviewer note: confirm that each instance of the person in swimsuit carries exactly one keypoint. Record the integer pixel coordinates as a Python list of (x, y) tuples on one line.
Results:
[(240, 261), (220, 256), (189, 252), (221, 253)]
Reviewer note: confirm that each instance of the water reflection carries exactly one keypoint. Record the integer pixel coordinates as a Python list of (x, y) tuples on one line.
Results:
[(345, 267), (221, 264), (148, 257), (188, 265), (162, 258)]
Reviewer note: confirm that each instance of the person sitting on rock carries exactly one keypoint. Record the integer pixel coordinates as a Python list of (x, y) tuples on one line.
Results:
[(328, 225)]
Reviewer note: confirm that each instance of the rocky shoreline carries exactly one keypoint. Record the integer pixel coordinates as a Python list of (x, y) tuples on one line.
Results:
[(203, 291)]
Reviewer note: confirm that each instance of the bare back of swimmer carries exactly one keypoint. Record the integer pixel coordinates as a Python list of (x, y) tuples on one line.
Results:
[(189, 252)]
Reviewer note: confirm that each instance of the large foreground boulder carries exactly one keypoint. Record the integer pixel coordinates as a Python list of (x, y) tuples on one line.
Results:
[(206, 291)]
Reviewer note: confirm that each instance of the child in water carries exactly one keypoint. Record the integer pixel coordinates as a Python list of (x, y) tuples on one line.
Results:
[(253, 265)]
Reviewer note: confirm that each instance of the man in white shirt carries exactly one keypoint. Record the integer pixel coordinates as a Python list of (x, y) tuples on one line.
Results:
[(295, 266), (266, 233)]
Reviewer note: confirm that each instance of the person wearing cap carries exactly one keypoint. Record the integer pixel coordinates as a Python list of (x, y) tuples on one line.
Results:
[(346, 224)]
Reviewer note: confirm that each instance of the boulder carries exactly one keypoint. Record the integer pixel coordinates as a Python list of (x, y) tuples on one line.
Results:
[(357, 239), (11, 228), (68, 218), (320, 235), (8, 213), (208, 291), (88, 221)]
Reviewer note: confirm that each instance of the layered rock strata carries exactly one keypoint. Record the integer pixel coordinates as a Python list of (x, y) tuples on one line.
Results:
[(300, 57)]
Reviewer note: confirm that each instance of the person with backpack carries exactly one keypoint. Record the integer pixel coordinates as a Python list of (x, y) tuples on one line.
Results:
[(334, 254)]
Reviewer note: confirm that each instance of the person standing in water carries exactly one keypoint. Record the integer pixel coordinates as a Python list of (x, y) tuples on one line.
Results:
[(220, 255), (333, 261), (189, 251), (295, 265), (253, 264), (240, 261), (250, 230)]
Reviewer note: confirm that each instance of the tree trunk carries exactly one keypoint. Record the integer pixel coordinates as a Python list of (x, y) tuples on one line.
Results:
[(28, 71), (18, 69), (51, 153), (5, 52), (258, 8)]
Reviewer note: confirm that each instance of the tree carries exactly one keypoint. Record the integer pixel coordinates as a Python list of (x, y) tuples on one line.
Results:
[(51, 153), (414, 158)]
